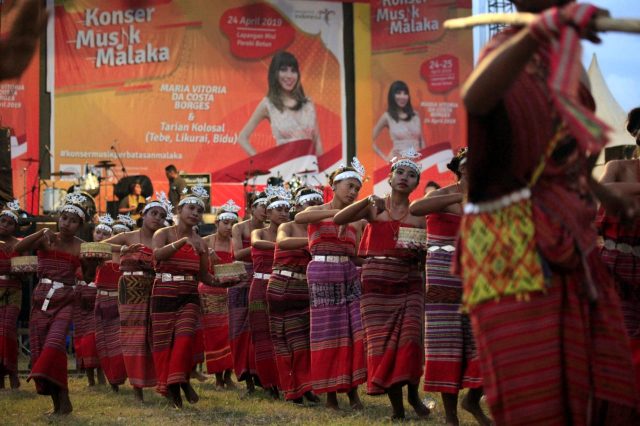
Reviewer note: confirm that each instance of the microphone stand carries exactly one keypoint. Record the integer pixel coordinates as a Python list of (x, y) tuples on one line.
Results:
[(124, 170)]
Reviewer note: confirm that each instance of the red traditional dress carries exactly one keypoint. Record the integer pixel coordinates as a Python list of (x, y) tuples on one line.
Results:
[(451, 360), (215, 323), (266, 367), (134, 294), (175, 308), (242, 349), (559, 357), (392, 306), (108, 323), (10, 301), (621, 253), (84, 325), (337, 337), (51, 312), (288, 304)]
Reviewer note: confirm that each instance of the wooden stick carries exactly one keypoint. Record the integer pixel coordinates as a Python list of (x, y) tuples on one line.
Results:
[(519, 19)]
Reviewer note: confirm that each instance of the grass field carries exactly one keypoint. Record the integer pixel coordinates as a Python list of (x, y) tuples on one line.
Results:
[(100, 406)]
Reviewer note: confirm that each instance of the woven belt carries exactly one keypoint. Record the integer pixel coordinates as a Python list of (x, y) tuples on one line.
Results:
[(110, 293), (136, 273), (55, 285), (261, 276), (330, 258), (448, 248), (164, 277), (83, 283), (284, 273), (622, 247)]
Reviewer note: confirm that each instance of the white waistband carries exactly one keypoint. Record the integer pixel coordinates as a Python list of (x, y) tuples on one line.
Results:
[(290, 274), (136, 273), (261, 276), (5, 277), (164, 277), (330, 258), (448, 248), (622, 247)]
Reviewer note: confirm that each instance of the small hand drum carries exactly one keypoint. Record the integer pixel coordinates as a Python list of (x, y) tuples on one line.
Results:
[(95, 251), (24, 265)]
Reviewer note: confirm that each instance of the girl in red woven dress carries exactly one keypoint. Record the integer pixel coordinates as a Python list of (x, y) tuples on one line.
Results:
[(107, 315), (134, 294), (84, 319), (10, 297), (263, 244), (552, 345), (181, 260), (52, 300), (392, 289), (337, 338), (215, 309), (288, 304), (451, 360)]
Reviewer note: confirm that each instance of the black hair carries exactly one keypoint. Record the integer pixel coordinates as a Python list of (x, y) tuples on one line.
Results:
[(132, 186), (454, 164), (392, 107), (433, 184), (171, 168), (633, 122), (279, 61)]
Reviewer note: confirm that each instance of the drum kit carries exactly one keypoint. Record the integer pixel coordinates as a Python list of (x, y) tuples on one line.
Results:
[(89, 184)]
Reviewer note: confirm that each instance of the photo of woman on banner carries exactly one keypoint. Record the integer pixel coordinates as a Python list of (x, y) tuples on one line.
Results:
[(292, 115), (403, 123)]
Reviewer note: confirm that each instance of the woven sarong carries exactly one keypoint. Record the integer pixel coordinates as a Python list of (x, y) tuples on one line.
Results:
[(288, 301), (337, 337), (215, 328), (108, 324), (48, 329), (451, 361), (84, 327), (10, 302), (242, 350), (392, 306), (134, 295), (266, 366), (552, 349)]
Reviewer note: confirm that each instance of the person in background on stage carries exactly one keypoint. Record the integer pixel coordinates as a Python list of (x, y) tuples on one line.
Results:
[(337, 337), (552, 348), (430, 187), (84, 319), (18, 46), (52, 300), (392, 301), (107, 314), (405, 127), (451, 359), (215, 308), (292, 115), (133, 203), (621, 251), (134, 293), (263, 245), (288, 304), (181, 261), (10, 296), (242, 348), (176, 185)]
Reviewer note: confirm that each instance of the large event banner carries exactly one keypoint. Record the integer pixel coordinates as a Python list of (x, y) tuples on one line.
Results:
[(410, 51), (176, 82), (20, 113)]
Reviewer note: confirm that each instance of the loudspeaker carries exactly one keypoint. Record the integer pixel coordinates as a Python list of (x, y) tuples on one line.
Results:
[(619, 152), (122, 187), (6, 177)]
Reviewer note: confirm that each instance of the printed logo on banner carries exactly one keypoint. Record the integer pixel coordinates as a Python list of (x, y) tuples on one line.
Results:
[(256, 31)]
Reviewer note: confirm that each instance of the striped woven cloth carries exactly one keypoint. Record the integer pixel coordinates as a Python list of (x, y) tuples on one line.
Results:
[(84, 326), (134, 294), (175, 309), (288, 302), (10, 302)]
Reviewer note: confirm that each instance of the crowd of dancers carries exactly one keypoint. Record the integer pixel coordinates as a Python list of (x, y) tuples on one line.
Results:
[(504, 289)]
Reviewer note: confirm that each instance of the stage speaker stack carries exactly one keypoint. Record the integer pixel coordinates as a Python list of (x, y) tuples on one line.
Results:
[(6, 177)]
